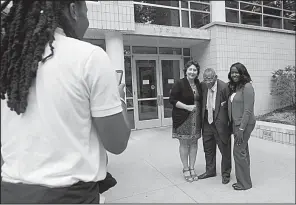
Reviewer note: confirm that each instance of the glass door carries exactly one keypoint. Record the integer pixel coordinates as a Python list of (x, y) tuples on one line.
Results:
[(170, 72), (147, 98)]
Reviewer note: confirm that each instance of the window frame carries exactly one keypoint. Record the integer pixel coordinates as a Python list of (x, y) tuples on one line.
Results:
[(281, 17), (180, 9)]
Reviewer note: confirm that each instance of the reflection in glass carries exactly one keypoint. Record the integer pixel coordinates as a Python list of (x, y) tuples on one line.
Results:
[(251, 19), (146, 79), (129, 103), (289, 24), (127, 50), (256, 2), (232, 16), (275, 4), (185, 19), (199, 19), (144, 50), (251, 7), (128, 76), (130, 116), (231, 4), (200, 7), (272, 22), (289, 14), (168, 107), (156, 15), (289, 5), (172, 3), (148, 110), (170, 74), (186, 52), (184, 4), (270, 11), (169, 50)]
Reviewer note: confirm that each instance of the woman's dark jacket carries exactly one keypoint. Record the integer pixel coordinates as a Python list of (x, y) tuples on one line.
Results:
[(182, 92)]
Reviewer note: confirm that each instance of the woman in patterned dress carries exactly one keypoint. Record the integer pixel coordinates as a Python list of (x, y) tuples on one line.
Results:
[(186, 100)]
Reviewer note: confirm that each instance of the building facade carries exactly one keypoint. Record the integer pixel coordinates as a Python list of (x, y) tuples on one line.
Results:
[(152, 40)]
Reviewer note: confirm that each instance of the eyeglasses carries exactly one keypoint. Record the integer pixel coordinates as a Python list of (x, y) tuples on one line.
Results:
[(209, 79)]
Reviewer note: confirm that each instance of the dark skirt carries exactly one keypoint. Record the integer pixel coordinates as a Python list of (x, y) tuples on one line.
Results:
[(190, 129), (79, 193)]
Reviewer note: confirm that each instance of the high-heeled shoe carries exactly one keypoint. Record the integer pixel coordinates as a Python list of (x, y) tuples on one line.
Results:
[(187, 178), (193, 174)]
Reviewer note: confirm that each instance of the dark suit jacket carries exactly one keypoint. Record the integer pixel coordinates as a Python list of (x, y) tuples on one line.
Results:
[(182, 92), (221, 119), (242, 107)]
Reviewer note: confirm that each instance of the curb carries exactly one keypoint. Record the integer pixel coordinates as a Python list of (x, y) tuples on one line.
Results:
[(275, 132)]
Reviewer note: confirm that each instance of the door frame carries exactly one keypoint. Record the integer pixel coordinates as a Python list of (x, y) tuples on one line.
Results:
[(167, 121), (161, 121), (145, 123)]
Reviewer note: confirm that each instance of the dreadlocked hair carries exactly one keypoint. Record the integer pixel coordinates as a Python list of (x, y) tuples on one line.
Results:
[(28, 28)]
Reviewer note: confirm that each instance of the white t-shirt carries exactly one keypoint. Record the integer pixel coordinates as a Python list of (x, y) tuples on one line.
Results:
[(54, 143)]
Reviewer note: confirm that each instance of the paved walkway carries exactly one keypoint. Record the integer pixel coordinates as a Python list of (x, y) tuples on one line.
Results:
[(150, 171)]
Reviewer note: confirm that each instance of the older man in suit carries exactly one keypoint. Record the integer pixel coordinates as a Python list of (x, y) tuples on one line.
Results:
[(215, 125)]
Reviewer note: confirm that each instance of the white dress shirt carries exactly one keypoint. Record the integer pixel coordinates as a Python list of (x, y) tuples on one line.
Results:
[(214, 90)]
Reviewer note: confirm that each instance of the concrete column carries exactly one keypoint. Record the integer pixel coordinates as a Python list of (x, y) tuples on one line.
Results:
[(114, 49), (218, 11)]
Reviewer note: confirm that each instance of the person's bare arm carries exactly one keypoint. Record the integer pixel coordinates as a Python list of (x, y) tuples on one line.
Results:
[(184, 106), (115, 129), (107, 110)]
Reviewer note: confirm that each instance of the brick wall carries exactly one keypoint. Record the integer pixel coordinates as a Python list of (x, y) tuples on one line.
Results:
[(262, 51)]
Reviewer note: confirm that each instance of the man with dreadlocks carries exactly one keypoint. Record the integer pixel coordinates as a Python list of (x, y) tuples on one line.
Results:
[(60, 108)]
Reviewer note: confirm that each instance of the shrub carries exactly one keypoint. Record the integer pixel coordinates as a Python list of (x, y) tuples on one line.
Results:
[(284, 85)]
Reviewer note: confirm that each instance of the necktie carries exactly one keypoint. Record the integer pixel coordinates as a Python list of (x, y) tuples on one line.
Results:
[(210, 106)]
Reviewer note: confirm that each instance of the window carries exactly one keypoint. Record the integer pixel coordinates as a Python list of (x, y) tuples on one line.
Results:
[(273, 14), (184, 4), (185, 19), (172, 3), (231, 4), (144, 50), (232, 16), (171, 51), (186, 55), (129, 85), (183, 13), (272, 22), (156, 15), (251, 18), (186, 52), (199, 19)]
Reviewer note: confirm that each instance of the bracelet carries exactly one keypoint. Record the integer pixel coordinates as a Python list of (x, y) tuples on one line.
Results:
[(241, 129)]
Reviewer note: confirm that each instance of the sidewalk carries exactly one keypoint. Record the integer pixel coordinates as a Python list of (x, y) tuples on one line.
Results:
[(150, 171)]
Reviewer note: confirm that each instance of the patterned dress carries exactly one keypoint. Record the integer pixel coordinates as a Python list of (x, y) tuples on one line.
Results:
[(191, 128)]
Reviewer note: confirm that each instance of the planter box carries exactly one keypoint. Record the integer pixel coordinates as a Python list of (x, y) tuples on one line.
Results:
[(276, 132)]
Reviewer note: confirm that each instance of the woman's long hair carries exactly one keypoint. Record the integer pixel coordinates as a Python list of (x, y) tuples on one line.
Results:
[(28, 28), (196, 80), (243, 79)]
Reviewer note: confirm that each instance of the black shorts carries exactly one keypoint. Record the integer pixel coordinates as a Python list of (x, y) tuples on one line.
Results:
[(79, 193)]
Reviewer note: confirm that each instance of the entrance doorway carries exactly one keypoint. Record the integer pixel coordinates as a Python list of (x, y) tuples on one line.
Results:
[(153, 78)]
